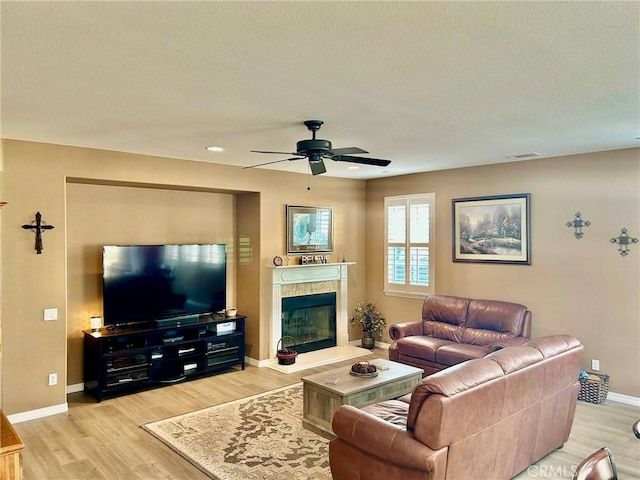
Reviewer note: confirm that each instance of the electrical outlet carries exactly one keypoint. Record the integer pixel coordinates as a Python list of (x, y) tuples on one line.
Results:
[(53, 379), (595, 365)]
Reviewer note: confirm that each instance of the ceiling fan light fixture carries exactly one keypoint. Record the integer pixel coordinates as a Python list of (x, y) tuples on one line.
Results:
[(316, 150)]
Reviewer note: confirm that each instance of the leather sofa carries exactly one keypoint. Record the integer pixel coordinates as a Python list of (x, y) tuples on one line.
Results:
[(487, 418), (456, 329)]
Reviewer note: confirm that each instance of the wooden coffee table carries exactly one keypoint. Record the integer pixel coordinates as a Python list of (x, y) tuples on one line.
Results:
[(321, 398)]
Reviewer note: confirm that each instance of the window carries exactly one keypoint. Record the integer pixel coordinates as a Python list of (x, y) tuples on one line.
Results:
[(409, 251)]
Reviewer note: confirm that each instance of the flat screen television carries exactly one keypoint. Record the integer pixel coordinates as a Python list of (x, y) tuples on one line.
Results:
[(142, 283)]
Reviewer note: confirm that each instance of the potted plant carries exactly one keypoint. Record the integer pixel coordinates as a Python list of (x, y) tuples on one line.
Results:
[(371, 321)]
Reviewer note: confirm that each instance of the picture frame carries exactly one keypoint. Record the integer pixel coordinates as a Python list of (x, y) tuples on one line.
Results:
[(492, 229), (309, 229)]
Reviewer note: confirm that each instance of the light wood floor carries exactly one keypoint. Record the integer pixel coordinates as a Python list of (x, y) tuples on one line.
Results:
[(104, 440)]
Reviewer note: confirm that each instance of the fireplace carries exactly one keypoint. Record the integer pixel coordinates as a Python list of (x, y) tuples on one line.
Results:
[(308, 280), (310, 320)]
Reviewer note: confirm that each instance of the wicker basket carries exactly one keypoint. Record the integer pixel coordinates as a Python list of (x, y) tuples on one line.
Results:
[(594, 389), (286, 355)]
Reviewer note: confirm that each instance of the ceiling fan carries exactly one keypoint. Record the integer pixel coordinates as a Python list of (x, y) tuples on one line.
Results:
[(316, 150)]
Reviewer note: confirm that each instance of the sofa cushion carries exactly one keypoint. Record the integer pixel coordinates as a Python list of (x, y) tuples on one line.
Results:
[(515, 358), (552, 345), (497, 316), (433, 406), (442, 330), (445, 309), (560, 360), (477, 336), (451, 381), (459, 352), (392, 411), (522, 374), (422, 347)]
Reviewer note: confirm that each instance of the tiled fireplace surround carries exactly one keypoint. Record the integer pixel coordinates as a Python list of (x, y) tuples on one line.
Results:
[(298, 280)]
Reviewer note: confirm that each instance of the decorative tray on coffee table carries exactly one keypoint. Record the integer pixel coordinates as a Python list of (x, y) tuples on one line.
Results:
[(364, 375), (363, 370)]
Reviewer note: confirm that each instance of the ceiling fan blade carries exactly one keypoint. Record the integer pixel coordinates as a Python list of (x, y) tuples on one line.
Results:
[(275, 161), (317, 167), (348, 151), (279, 153), (378, 162)]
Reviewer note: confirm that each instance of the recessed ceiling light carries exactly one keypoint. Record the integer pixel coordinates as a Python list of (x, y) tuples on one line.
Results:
[(524, 155), (213, 148)]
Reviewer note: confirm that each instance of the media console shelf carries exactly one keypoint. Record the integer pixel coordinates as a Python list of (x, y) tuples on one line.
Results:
[(130, 359)]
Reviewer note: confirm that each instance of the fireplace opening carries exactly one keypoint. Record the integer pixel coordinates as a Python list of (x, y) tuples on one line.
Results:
[(310, 320)]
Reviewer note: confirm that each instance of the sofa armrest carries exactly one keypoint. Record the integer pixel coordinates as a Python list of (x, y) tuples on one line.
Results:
[(378, 438), (508, 342), (406, 329)]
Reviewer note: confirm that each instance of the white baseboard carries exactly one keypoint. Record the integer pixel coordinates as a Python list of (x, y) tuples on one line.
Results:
[(38, 413), (254, 362), (628, 399), (78, 387)]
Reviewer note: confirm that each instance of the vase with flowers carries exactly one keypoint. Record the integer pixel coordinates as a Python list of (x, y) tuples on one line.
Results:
[(371, 321)]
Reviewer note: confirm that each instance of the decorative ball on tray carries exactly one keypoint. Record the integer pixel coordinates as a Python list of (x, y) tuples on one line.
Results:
[(363, 369)]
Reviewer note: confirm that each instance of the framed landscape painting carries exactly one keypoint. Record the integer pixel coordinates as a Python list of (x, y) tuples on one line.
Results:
[(493, 229), (309, 229)]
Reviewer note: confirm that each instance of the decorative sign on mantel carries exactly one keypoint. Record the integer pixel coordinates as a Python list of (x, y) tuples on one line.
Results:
[(278, 261), (313, 259)]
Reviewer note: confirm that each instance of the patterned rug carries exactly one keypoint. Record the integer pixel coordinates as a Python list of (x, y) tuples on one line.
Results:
[(259, 437)]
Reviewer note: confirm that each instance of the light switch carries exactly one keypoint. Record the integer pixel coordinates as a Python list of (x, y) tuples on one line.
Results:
[(50, 314)]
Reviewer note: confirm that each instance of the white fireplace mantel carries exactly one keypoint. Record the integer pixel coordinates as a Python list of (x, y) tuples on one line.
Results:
[(321, 272)]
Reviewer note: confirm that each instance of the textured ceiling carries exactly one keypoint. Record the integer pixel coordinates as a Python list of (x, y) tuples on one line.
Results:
[(427, 85)]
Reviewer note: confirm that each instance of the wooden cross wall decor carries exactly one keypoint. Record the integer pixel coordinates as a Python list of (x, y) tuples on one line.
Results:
[(38, 226)]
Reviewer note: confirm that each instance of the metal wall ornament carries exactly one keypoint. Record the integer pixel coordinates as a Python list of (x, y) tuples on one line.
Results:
[(624, 241), (578, 223), (38, 225)]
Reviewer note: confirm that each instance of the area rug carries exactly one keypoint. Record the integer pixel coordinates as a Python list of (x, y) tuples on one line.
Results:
[(259, 437)]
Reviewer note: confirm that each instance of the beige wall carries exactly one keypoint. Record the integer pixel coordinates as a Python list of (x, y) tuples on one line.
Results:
[(581, 287), (64, 182), (248, 280), (100, 215)]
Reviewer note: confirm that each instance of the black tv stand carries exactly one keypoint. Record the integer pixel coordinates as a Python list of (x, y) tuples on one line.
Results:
[(124, 359), (173, 380)]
